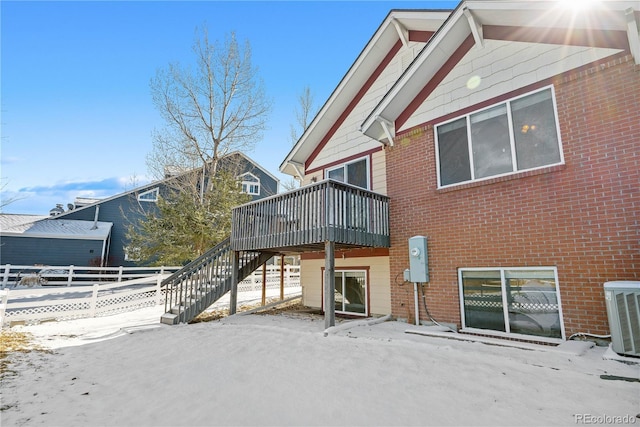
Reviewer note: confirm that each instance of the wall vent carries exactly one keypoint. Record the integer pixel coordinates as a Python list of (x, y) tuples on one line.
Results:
[(623, 310)]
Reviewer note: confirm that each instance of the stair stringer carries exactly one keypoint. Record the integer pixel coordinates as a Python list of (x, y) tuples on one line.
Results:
[(190, 295)]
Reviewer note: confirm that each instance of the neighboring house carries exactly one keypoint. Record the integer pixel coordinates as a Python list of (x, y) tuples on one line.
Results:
[(118, 212), (36, 239), (506, 133)]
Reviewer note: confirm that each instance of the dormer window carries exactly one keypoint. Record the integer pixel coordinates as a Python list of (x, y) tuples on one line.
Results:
[(250, 184), (149, 196)]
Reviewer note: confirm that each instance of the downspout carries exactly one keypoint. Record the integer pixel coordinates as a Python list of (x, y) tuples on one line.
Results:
[(108, 251), (104, 249)]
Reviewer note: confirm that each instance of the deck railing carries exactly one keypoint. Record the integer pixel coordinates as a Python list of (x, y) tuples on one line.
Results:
[(309, 216)]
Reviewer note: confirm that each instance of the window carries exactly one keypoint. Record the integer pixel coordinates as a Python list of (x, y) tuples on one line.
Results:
[(517, 135), (351, 211), (517, 300), (351, 292), (354, 173), (250, 184), (149, 196)]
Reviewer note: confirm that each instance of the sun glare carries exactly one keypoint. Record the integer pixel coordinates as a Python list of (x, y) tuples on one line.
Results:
[(577, 4)]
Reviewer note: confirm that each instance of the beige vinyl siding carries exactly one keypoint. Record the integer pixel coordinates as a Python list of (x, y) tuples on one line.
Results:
[(313, 177), (379, 172), (502, 66), (348, 141), (379, 286)]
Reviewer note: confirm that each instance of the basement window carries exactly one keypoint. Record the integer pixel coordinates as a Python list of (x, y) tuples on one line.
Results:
[(511, 301), (350, 291), (513, 136)]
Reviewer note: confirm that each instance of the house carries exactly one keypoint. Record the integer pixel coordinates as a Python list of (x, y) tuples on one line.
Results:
[(37, 239), (475, 168), (113, 216), (504, 133)]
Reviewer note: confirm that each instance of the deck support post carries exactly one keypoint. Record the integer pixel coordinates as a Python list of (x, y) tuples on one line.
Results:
[(329, 284), (282, 277), (264, 284), (235, 273)]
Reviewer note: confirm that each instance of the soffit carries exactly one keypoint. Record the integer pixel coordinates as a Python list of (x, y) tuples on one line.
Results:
[(605, 16)]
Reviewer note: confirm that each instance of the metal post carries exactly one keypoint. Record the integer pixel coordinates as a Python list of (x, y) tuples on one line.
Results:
[(415, 295), (329, 284), (235, 272)]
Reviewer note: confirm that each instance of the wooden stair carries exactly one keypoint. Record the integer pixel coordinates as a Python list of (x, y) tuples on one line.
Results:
[(192, 289)]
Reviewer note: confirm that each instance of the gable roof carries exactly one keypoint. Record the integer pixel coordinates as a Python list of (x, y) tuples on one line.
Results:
[(397, 29), (266, 172), (611, 24), (154, 184)]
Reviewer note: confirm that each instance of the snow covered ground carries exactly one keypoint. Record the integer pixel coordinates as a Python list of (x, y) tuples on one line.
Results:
[(285, 369)]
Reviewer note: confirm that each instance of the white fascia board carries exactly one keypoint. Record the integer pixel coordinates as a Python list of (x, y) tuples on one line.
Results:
[(54, 236), (103, 227), (609, 15), (428, 61), (375, 50), (257, 165), (612, 15)]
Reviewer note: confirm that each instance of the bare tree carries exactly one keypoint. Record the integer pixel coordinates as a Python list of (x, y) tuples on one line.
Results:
[(5, 198), (304, 112), (211, 109)]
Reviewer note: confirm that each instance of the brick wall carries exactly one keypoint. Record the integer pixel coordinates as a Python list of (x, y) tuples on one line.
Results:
[(581, 216)]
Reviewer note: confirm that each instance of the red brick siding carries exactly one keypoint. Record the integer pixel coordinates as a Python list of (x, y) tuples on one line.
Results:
[(581, 217)]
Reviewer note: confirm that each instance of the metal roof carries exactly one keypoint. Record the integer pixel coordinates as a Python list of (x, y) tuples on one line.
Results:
[(53, 228)]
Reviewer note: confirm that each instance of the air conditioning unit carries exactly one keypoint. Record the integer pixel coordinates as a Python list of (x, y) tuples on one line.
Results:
[(623, 310)]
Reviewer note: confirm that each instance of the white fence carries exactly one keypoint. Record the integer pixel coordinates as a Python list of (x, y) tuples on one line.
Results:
[(71, 275), (43, 302), (291, 278)]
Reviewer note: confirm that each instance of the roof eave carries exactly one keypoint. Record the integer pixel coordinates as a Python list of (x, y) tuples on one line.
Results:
[(461, 24), (386, 36)]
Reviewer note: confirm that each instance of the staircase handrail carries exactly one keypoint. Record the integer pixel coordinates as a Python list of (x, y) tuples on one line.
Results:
[(197, 263)]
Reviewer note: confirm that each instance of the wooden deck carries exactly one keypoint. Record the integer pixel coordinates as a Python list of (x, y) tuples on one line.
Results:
[(304, 219)]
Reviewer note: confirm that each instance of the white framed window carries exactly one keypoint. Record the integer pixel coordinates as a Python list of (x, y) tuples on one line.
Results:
[(351, 291), (250, 184), (355, 172), (512, 301), (149, 196), (513, 136)]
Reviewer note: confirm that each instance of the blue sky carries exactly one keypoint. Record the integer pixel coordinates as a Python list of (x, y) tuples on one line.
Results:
[(77, 115)]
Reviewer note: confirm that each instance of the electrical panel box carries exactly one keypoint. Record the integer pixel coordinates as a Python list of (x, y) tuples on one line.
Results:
[(418, 260)]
